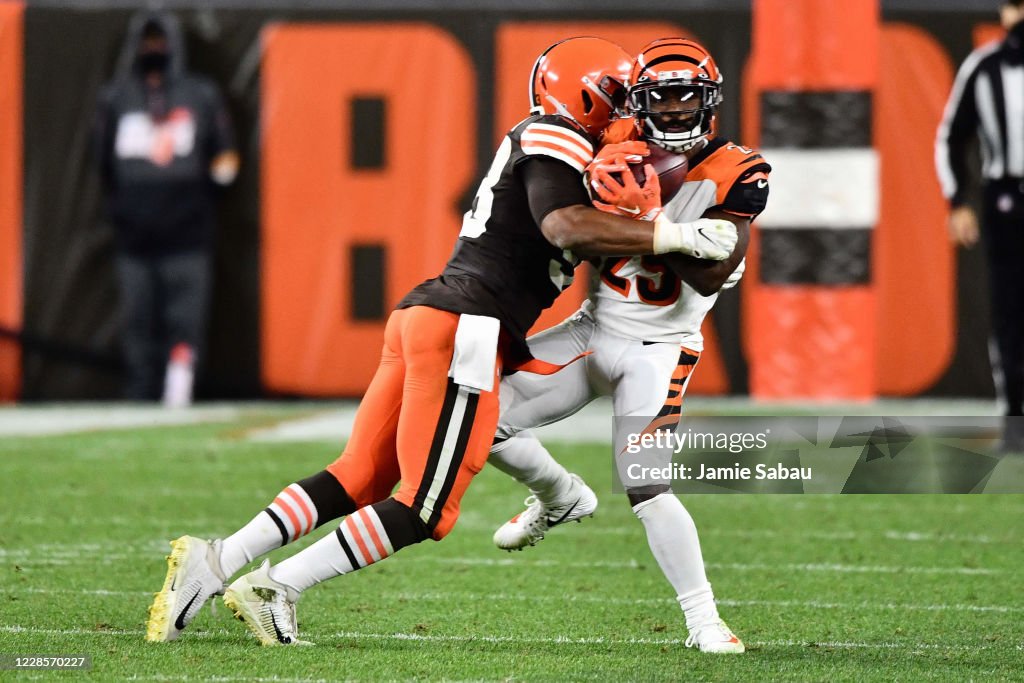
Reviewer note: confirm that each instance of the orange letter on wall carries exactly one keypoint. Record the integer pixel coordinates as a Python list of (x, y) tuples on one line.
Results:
[(10, 195), (369, 140), (914, 264)]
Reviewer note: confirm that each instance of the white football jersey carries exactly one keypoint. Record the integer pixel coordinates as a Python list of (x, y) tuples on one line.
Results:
[(640, 297)]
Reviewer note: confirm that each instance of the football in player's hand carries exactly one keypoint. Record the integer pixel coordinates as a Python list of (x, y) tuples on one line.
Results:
[(670, 167)]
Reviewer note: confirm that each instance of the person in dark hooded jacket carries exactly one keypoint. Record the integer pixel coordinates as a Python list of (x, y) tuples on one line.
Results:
[(164, 142)]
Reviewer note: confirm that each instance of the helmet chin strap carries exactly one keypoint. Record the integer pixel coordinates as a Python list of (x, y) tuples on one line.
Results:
[(677, 146), (559, 108)]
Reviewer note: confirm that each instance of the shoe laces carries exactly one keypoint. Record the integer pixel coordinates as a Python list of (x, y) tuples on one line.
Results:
[(718, 626), (534, 518)]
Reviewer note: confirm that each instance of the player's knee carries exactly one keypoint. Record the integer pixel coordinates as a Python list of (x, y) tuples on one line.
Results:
[(328, 495), (642, 494), (442, 529), (403, 523), (502, 435)]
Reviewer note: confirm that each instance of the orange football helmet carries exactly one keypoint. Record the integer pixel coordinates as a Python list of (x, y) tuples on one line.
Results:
[(582, 78), (675, 88)]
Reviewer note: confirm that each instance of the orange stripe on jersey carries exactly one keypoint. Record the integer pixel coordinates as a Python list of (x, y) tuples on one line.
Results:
[(372, 530), (659, 422), (560, 143), (675, 398), (570, 146), (723, 167), (567, 136), (353, 530), (682, 372), (283, 504), (563, 152), (308, 522)]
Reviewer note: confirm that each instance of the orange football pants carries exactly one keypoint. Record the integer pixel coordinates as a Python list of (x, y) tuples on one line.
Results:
[(416, 426)]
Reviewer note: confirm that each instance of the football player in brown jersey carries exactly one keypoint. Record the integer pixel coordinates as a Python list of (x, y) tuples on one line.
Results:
[(429, 416)]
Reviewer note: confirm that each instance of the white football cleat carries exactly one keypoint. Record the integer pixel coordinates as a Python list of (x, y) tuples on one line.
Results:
[(715, 636), (266, 606), (529, 526), (193, 577)]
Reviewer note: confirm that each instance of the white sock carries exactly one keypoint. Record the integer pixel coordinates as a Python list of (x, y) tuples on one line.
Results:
[(698, 607), (290, 516), (258, 537), (359, 541), (672, 536), (524, 458), (321, 561)]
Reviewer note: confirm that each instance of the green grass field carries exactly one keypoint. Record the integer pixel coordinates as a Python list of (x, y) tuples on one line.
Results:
[(839, 588)]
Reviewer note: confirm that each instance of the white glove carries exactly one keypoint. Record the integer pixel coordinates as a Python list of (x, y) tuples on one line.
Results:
[(735, 276), (706, 238)]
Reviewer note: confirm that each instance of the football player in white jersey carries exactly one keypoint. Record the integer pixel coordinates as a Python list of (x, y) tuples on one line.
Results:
[(642, 325)]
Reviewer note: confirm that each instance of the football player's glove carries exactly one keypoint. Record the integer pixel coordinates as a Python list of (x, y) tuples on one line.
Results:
[(706, 238), (614, 157), (627, 197), (624, 197)]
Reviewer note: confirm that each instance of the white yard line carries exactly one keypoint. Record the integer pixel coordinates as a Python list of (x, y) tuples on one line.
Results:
[(72, 418), (594, 422), (628, 527), (228, 679), (110, 559), (332, 422), (605, 525), (29, 559), (737, 566), (587, 599), (516, 640)]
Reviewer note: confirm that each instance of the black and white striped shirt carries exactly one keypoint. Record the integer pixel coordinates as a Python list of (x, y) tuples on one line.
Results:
[(987, 100)]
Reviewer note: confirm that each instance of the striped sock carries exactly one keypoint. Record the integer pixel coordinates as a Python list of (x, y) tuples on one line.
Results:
[(297, 510), (369, 535), (293, 512)]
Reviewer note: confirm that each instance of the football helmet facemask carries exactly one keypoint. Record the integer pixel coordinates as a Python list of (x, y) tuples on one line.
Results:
[(674, 92)]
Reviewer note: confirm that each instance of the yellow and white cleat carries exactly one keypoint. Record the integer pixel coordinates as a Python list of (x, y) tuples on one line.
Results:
[(266, 607), (193, 577), (715, 636)]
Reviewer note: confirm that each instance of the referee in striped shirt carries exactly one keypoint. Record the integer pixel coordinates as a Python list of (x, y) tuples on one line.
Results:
[(988, 101)]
